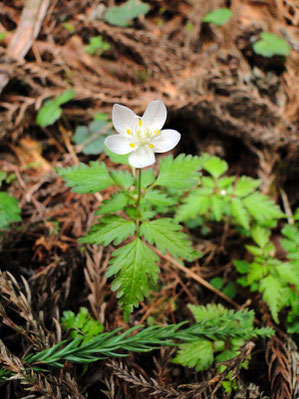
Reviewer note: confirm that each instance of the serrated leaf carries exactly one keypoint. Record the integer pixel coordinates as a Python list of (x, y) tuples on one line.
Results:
[(219, 16), (122, 15), (246, 185), (166, 235), (217, 207), (271, 289), (111, 228), (180, 173), (262, 208), (270, 45), (122, 178), (215, 166), (240, 213), (260, 235), (257, 272), (86, 179), (288, 273), (198, 354), (208, 312), (116, 203), (147, 178), (116, 158), (226, 181), (158, 198), (196, 203), (135, 268), (9, 210)]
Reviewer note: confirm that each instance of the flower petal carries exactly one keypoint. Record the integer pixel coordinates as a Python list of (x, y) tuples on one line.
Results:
[(119, 144), (142, 157), (123, 119), (166, 140), (155, 115)]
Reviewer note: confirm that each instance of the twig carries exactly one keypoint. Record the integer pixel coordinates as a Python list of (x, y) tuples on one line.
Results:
[(197, 278)]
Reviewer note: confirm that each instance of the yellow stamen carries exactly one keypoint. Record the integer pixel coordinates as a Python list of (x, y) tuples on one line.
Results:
[(129, 131), (140, 122), (157, 132), (132, 145), (151, 146)]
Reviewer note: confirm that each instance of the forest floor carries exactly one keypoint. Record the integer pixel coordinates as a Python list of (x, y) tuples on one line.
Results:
[(226, 101)]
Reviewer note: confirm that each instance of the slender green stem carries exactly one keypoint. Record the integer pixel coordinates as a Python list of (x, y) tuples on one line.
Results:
[(138, 201)]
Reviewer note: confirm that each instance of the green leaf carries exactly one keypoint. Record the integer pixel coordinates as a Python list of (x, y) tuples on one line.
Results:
[(196, 203), (65, 97), (97, 46), (81, 324), (270, 45), (51, 111), (90, 138), (116, 158), (262, 208), (240, 213), (135, 268), (9, 210), (217, 207), (198, 354), (111, 228), (260, 236), (271, 289), (217, 282), (48, 114), (215, 166), (116, 203), (219, 16), (166, 235), (289, 273), (180, 173), (122, 15), (208, 312), (147, 177), (230, 290), (245, 186), (157, 198), (242, 266), (122, 178), (86, 179)]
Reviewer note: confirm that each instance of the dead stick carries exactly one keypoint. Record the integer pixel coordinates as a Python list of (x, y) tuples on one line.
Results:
[(197, 278)]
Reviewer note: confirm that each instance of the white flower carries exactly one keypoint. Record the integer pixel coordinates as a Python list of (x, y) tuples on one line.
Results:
[(141, 136)]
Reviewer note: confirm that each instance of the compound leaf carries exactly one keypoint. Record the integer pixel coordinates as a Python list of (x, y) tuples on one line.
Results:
[(135, 268), (198, 354)]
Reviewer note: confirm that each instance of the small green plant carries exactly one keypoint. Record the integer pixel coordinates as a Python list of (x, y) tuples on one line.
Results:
[(96, 46), (124, 14), (216, 330), (51, 111), (219, 17), (276, 280), (2, 35), (219, 198), (81, 325), (9, 208), (229, 331), (69, 27), (270, 45), (91, 138)]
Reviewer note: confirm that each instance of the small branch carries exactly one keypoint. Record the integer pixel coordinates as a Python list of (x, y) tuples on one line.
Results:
[(197, 278)]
